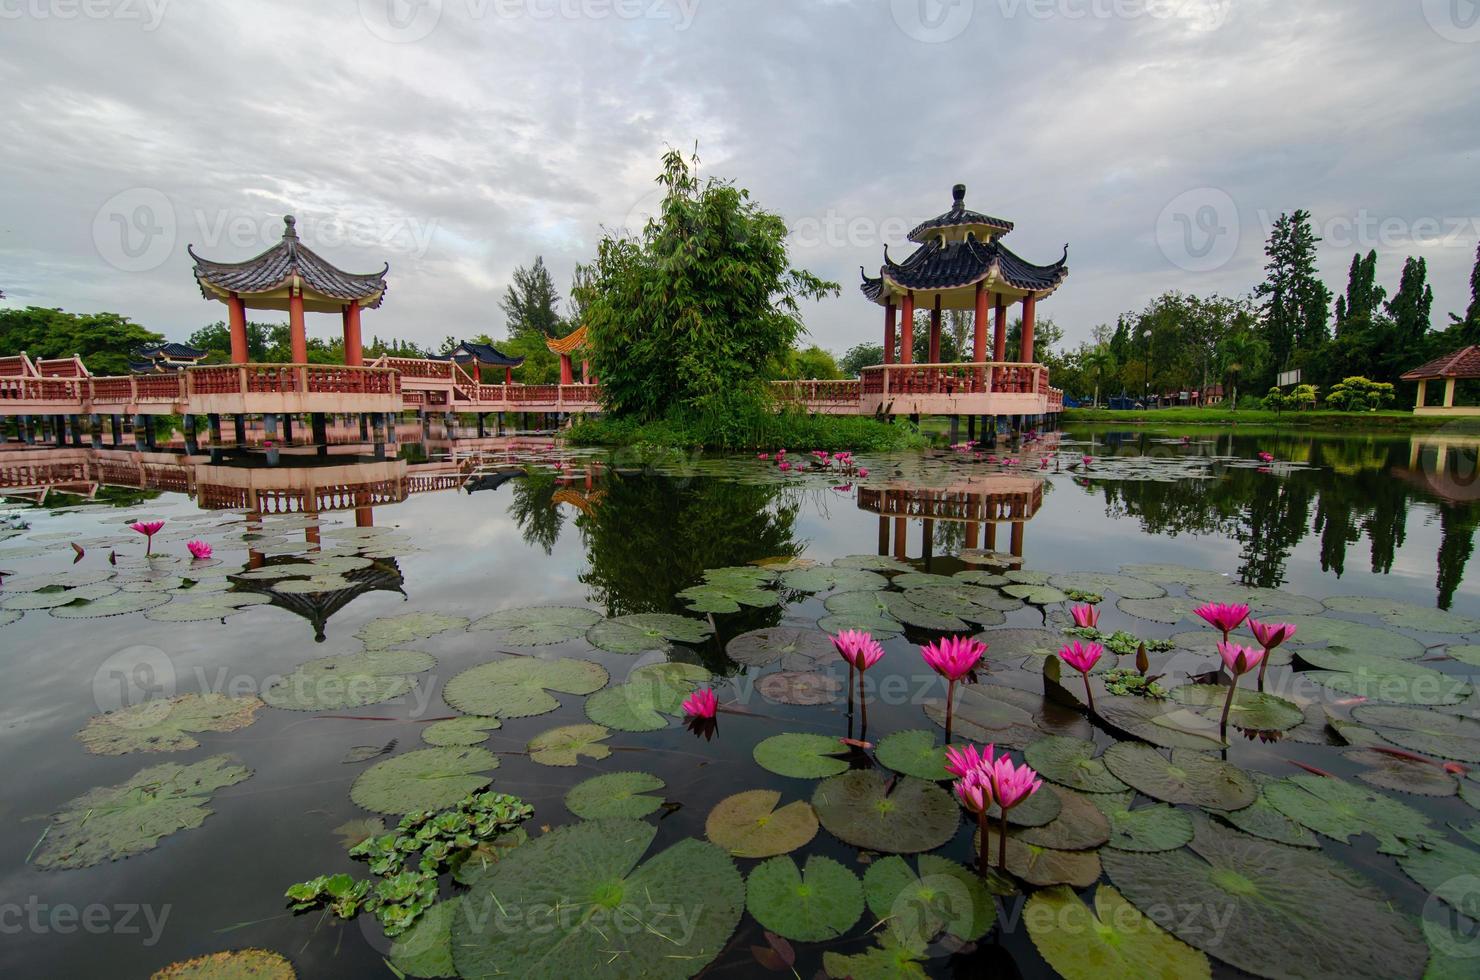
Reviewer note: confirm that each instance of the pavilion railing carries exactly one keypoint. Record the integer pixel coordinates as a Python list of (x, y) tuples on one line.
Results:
[(415, 367), (804, 392), (1002, 377)]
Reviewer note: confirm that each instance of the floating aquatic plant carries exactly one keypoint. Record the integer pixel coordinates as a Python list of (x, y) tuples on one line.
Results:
[(953, 658), (861, 651), (1083, 657), (1238, 660), (149, 529)]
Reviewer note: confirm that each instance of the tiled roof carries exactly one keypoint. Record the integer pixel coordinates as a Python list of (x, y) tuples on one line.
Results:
[(273, 268), (172, 350), (957, 216), (1463, 363), (486, 355), (936, 266), (572, 341)]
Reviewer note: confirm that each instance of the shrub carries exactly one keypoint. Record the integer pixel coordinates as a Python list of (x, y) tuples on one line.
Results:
[(1357, 394)]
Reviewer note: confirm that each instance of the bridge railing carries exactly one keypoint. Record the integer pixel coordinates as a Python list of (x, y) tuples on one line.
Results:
[(1001, 377), (415, 367), (845, 391)]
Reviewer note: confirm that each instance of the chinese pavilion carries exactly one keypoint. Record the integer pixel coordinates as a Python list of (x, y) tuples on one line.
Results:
[(566, 348), (478, 356)]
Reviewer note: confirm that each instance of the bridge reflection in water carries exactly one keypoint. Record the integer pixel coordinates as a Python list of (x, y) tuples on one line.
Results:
[(980, 503)]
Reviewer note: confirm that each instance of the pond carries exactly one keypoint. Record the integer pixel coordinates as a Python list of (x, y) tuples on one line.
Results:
[(1335, 833)]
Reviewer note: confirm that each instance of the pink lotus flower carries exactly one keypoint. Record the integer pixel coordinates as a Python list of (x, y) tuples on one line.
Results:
[(953, 658), (780, 453), (149, 529), (701, 704), (862, 472), (1083, 657), (862, 651), (199, 549), (963, 761), (1238, 658), (1011, 785), (1225, 616), (1267, 457), (1269, 635), (784, 467), (974, 793), (1087, 460), (1086, 616), (1043, 463)]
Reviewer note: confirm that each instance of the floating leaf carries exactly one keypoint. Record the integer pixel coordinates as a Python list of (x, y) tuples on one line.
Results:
[(1418, 776), (806, 687), (1024, 576), (982, 716), (1125, 586), (897, 816), (1018, 644), (651, 691), (467, 730), (204, 609), (749, 824), (971, 603), (1071, 762), (1465, 654), (1163, 723), (728, 597), (826, 578), (116, 604), (1430, 732), (359, 830), (164, 724), (1262, 907), (1078, 826), (72, 579), (113, 822), (1114, 942), (793, 649), (1261, 819), (237, 964), (1168, 574), (615, 794), (1447, 870), (1340, 810), (914, 753), (593, 867), (889, 960), (393, 631), (1405, 614), (1158, 827), (1251, 710), (1167, 609), (51, 599), (1329, 631), (873, 563), (1381, 678), (1042, 865), (646, 631), (747, 574), (534, 626), (1189, 777), (1036, 595), (941, 898), (566, 746), (351, 680), (425, 779), (910, 613), (519, 687), (1265, 603), (819, 902), (866, 611), (1039, 809), (801, 756), (425, 950), (924, 580)]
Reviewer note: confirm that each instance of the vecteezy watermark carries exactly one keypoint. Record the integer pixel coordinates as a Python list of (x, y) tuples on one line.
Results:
[(147, 13), (1198, 230), (98, 919), (1365, 230), (1201, 14), (1451, 918), (833, 229), (407, 21), (1454, 20), (139, 229), (933, 21)]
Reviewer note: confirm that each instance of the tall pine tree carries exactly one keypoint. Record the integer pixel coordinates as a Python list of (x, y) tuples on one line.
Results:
[(531, 305), (1363, 296), (1295, 300), (1469, 325), (1412, 305)]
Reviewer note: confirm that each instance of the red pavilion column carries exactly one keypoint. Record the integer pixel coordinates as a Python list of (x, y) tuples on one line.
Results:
[(585, 371), (567, 370), (935, 331), (237, 310), (508, 375), (889, 315), (354, 351), (999, 335), (296, 330), (979, 341), (1030, 306), (907, 330)]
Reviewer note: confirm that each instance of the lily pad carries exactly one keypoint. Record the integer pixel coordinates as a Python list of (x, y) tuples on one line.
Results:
[(1158, 827), (914, 753), (1263, 907), (872, 563), (981, 716), (394, 631), (1430, 732), (1071, 762), (1112, 942), (646, 631), (165, 724), (615, 794), (1125, 586), (1163, 723), (51, 599), (1189, 777), (425, 779), (899, 815), (1340, 810), (906, 611), (237, 964), (971, 603), (1330, 631), (866, 611), (1038, 810), (924, 580), (728, 597), (793, 649), (1447, 870), (1168, 574), (1036, 595), (1251, 710), (350, 680), (467, 730), (1405, 614), (535, 626), (1167, 609), (214, 606), (624, 925), (425, 950), (1265, 603), (1079, 825), (113, 822), (890, 960), (940, 898), (750, 825), (520, 686), (1261, 819), (651, 691), (802, 756), (1464, 653), (1380, 678), (1417, 776), (70, 579), (1042, 865), (826, 578), (116, 604), (810, 905), (566, 746), (800, 687), (1018, 644)]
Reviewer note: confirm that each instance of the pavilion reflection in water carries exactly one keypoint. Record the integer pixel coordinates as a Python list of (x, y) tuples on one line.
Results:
[(979, 503)]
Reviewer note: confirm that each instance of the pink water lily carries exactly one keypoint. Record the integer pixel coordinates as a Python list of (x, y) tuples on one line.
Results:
[(785, 466), (1087, 460), (960, 762), (862, 651), (953, 658), (974, 790), (763, 456), (701, 704), (1086, 616), (1224, 616), (862, 472), (1267, 457), (149, 529), (1239, 660), (199, 549), (1083, 657), (1011, 785), (1269, 635)]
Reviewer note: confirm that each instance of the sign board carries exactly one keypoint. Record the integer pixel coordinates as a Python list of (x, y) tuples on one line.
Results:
[(1289, 378)]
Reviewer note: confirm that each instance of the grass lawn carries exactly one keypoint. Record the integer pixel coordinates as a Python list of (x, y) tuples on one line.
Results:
[(1384, 421)]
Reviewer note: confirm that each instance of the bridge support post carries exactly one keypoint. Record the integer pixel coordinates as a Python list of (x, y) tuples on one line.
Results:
[(955, 429), (77, 430), (971, 428), (883, 535), (377, 425), (287, 429), (901, 538), (95, 430), (320, 433), (115, 422), (59, 430), (192, 445), (270, 432), (141, 435), (31, 424), (213, 425), (241, 431), (482, 430), (364, 427)]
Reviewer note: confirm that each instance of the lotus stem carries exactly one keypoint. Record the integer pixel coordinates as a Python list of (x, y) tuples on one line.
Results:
[(1089, 695), (1002, 843), (950, 704), (863, 705), (982, 861), (1262, 664), (1227, 706)]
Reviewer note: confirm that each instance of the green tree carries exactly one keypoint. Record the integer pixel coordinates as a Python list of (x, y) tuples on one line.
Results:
[(1100, 363), (216, 338), (1240, 352), (531, 304), (1295, 299), (859, 357), (580, 288), (1411, 309), (104, 341), (692, 313), (1363, 296), (1469, 324), (809, 363)]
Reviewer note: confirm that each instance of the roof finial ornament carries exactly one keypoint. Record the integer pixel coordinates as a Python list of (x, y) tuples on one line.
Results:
[(958, 194), (289, 226)]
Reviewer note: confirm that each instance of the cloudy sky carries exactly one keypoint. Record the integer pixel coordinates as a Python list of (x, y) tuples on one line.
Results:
[(458, 139)]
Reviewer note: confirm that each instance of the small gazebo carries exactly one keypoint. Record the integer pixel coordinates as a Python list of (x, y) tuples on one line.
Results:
[(961, 264), (478, 356), (566, 347), (169, 356), (291, 276), (1463, 364)]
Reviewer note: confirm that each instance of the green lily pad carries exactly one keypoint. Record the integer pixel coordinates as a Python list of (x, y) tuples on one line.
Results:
[(859, 808), (1036, 595), (624, 925), (1026, 576), (982, 716), (424, 779), (165, 724), (728, 597), (1204, 642), (924, 580), (1251, 710), (1447, 870), (49, 599), (70, 579), (116, 604), (351, 680), (825, 578), (1189, 777), (520, 686), (535, 626), (1168, 574), (800, 687), (794, 649), (971, 603), (425, 950), (1329, 631), (213, 606), (1158, 827), (1464, 653), (975, 576), (467, 730), (906, 611), (646, 631), (1018, 644), (1261, 819), (615, 794), (1038, 810), (1071, 762), (566, 746), (754, 575), (113, 822), (810, 905), (1340, 810), (940, 898), (1430, 732), (872, 563), (8, 616), (651, 691), (1265, 603), (1041, 865), (316, 585), (890, 960), (1112, 942), (1405, 614), (1421, 778), (1125, 586), (1265, 907), (1079, 825), (1382, 678), (394, 631), (1164, 723), (236, 964), (865, 611), (914, 753), (749, 824), (802, 756), (1166, 609)]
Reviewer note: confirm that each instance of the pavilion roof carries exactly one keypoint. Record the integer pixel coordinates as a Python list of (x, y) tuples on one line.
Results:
[(939, 266), (485, 354), (171, 350), (572, 341), (270, 273), (960, 218), (1463, 363)]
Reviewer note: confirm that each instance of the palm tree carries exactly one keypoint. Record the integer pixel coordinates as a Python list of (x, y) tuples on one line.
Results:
[(1101, 362), (1241, 350)]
